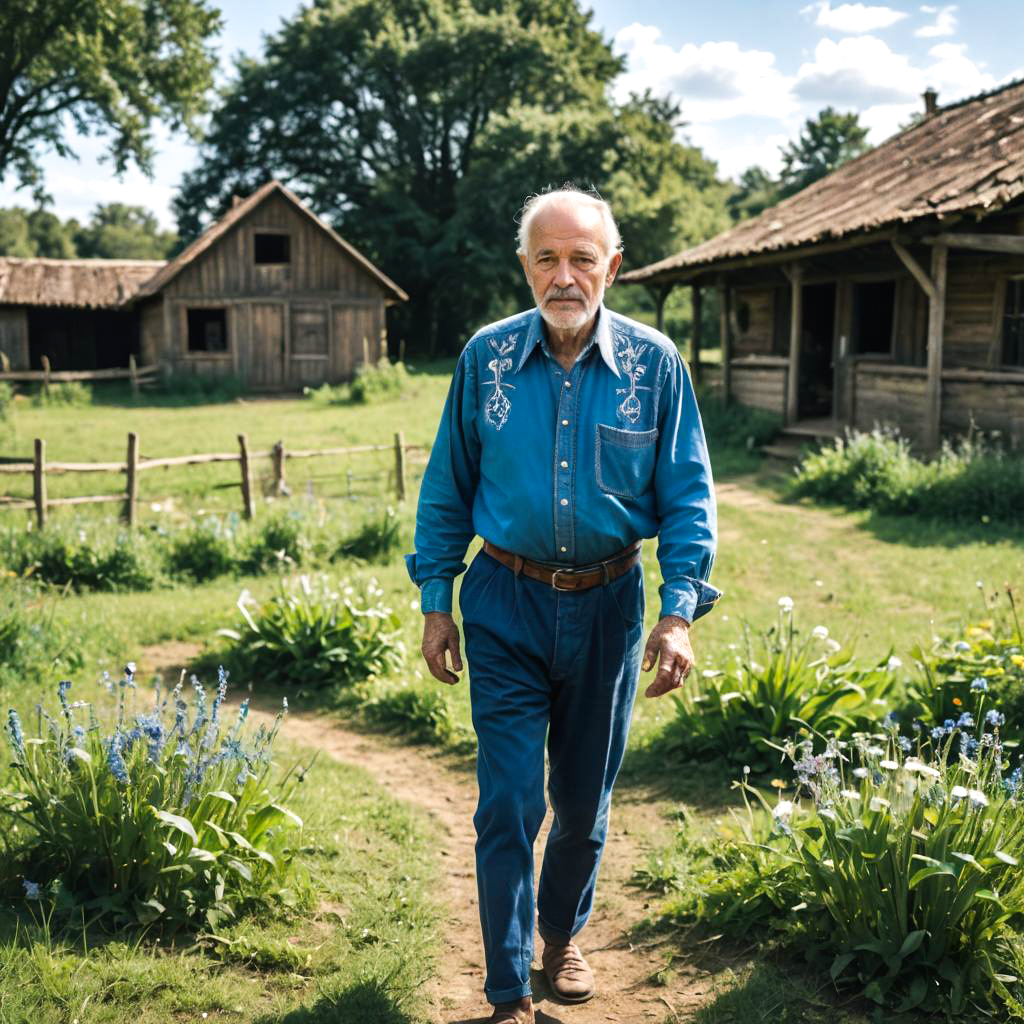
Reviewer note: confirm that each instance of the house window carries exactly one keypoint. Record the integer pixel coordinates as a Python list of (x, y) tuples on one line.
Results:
[(1013, 323), (207, 330), (874, 309), (271, 247)]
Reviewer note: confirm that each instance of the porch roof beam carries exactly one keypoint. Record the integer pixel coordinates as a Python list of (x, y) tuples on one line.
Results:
[(1013, 244), (915, 268)]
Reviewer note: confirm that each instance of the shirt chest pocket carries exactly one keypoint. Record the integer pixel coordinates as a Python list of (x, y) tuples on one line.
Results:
[(625, 460)]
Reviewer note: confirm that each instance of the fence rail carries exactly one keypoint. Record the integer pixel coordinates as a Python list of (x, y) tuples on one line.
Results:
[(134, 465), (138, 375)]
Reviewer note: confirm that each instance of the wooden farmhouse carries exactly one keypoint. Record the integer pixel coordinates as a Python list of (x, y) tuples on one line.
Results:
[(891, 291), (269, 293)]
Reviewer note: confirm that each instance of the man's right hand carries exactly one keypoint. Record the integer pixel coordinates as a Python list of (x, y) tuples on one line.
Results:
[(440, 636)]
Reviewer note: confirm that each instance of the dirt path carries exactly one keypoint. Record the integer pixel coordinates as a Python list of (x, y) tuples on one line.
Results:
[(426, 779)]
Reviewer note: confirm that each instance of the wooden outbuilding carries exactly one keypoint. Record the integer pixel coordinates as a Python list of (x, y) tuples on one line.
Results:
[(889, 292), (269, 293)]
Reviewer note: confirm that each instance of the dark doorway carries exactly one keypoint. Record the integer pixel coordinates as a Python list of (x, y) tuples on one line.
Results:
[(815, 391), (82, 339)]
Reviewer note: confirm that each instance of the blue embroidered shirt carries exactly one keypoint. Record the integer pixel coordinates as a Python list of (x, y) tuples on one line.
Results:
[(569, 467)]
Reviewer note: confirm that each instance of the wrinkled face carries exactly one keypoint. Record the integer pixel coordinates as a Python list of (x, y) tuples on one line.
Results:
[(567, 264)]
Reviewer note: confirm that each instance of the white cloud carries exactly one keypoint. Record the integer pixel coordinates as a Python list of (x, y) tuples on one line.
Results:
[(857, 72), (853, 18), (713, 81), (944, 24)]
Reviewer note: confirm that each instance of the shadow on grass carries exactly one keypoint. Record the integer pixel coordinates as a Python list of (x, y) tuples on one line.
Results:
[(361, 1002), (654, 772)]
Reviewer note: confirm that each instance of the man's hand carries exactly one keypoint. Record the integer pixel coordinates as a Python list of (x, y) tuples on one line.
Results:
[(669, 644), (441, 635)]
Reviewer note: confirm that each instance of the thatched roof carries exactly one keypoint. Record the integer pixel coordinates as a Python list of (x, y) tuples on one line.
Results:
[(240, 210), (965, 159), (89, 284)]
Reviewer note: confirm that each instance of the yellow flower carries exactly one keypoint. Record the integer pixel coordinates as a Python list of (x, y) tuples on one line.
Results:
[(957, 701), (1018, 660)]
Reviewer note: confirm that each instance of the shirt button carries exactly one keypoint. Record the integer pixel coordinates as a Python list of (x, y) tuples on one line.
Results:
[(565, 423), (564, 464), (564, 501), (568, 383), (563, 549)]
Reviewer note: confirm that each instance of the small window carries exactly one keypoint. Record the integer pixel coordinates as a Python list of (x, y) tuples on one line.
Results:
[(1013, 323), (207, 330), (874, 308), (271, 247)]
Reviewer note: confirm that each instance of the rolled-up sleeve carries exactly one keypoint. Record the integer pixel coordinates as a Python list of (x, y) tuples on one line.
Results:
[(688, 527), (444, 516)]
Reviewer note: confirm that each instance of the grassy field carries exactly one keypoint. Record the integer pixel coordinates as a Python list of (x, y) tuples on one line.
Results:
[(877, 584)]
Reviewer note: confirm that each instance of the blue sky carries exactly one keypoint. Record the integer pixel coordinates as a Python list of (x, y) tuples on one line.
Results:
[(747, 73)]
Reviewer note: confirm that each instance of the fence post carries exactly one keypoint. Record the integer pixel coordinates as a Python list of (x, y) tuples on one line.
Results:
[(39, 481), (400, 465), (45, 360), (366, 350), (132, 475), (5, 361), (133, 373), (243, 458), (277, 459)]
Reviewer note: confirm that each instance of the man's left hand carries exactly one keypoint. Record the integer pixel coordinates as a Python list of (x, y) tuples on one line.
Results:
[(669, 647)]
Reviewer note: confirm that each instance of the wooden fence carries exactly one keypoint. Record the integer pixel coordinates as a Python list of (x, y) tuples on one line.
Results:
[(134, 465), (140, 376)]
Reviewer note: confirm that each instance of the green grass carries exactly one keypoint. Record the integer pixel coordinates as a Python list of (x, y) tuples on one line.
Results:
[(360, 956)]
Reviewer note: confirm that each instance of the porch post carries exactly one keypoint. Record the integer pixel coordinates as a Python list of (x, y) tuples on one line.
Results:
[(796, 316), (695, 304), (725, 337), (936, 323), (659, 301)]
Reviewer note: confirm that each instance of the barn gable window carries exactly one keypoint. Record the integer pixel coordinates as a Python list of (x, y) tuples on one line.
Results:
[(874, 311), (1013, 323), (207, 330), (271, 247)]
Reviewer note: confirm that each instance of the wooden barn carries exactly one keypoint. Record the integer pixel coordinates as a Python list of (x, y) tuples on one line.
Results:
[(891, 291), (269, 293)]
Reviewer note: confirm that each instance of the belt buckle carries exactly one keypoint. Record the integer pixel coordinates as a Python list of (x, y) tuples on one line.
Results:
[(554, 580)]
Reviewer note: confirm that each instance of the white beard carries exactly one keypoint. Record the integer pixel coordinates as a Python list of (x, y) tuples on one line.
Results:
[(566, 319)]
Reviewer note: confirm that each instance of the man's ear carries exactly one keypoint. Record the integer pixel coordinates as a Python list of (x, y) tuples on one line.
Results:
[(613, 268), (524, 264)]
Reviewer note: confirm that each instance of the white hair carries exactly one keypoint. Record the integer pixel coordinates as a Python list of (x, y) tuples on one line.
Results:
[(567, 193)]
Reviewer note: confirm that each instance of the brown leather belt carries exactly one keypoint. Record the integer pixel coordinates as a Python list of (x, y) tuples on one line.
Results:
[(578, 578)]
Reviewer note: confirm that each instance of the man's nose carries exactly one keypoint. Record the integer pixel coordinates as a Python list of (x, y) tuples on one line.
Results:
[(563, 274)]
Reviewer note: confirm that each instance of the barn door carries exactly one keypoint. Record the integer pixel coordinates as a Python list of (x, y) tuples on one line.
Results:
[(309, 344), (267, 345)]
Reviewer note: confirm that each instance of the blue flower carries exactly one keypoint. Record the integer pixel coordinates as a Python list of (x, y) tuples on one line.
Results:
[(961, 647), (15, 732), (905, 745), (115, 762), (916, 725), (969, 746), (965, 721), (31, 890), (938, 732), (891, 721), (995, 718), (948, 725), (979, 685)]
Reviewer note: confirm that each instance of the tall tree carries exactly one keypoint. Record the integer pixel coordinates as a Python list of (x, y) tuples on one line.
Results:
[(119, 231), (825, 143), (51, 236), (15, 238), (755, 192), (106, 66), (399, 119)]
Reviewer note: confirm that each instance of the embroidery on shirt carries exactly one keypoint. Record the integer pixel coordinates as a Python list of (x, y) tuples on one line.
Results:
[(497, 406), (629, 359)]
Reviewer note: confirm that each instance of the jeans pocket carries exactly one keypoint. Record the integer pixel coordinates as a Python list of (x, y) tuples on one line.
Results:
[(476, 582), (627, 592), (625, 460)]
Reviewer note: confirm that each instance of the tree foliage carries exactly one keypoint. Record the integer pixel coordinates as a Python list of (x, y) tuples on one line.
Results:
[(825, 143), (418, 127), (756, 191), (107, 67)]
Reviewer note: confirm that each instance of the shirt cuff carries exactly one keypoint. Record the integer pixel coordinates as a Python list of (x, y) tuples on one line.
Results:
[(436, 595), (688, 598)]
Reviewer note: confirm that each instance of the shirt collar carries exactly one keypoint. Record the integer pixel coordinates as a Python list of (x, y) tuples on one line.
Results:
[(602, 336)]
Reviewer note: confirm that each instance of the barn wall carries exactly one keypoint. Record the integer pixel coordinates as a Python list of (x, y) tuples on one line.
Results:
[(151, 333), (890, 395), (760, 384), (14, 336), (974, 295), (757, 309), (990, 401)]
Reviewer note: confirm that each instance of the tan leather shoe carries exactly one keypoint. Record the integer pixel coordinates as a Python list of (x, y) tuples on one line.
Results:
[(568, 973), (513, 1013)]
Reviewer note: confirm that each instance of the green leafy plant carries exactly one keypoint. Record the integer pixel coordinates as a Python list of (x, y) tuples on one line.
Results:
[(67, 393), (312, 634), (421, 716), (279, 541), (783, 680), (377, 383), (202, 552), (167, 818), (376, 540), (328, 394)]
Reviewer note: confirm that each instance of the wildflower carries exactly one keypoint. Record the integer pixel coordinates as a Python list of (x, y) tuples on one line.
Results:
[(860, 773), (783, 809), (958, 792), (115, 761), (961, 647), (965, 721), (879, 803), (850, 794), (912, 764), (905, 745), (994, 718), (891, 721), (820, 632), (893, 663), (957, 702), (31, 890), (15, 732), (969, 746), (786, 604), (917, 725), (948, 725), (977, 799), (62, 695), (832, 646), (889, 765), (979, 685)]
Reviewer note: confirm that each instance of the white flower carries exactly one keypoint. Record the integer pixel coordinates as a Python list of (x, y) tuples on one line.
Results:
[(819, 583), (783, 809), (786, 604), (890, 765), (820, 632), (977, 798), (860, 773), (879, 803), (850, 794), (875, 751), (958, 792), (913, 765), (893, 663), (832, 646)]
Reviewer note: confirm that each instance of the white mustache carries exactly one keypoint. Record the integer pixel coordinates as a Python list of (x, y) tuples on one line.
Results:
[(564, 293)]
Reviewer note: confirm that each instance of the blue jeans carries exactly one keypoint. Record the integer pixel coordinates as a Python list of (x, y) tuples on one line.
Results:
[(560, 665)]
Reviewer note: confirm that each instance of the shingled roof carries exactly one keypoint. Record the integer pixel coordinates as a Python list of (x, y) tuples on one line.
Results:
[(966, 158), (92, 284)]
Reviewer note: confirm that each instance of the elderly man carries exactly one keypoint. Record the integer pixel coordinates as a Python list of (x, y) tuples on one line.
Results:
[(569, 434)]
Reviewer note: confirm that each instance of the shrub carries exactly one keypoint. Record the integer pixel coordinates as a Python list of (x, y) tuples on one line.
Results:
[(280, 540), (378, 383), (329, 394), (193, 388), (146, 822), (202, 552), (421, 716), (376, 540), (63, 393), (730, 426), (781, 681), (315, 636), (33, 641)]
